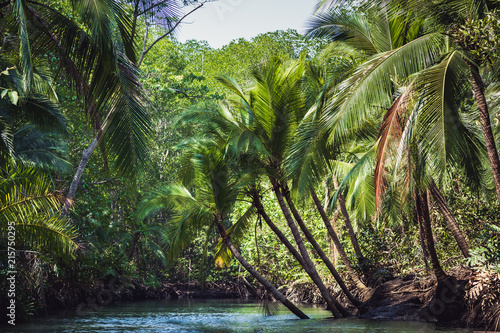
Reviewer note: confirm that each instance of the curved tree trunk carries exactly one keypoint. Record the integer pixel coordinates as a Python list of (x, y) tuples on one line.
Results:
[(337, 310), (350, 230), (68, 201), (333, 224), (450, 220), (423, 215), (478, 88), (269, 287)]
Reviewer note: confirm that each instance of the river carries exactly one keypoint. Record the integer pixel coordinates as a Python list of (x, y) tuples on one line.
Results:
[(210, 316)]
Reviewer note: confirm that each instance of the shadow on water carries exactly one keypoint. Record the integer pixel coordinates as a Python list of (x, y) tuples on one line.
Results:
[(209, 316)]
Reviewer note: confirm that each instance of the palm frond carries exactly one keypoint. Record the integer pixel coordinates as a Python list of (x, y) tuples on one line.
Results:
[(445, 139), (27, 202), (20, 11), (392, 127), (342, 25), (239, 228), (43, 150), (371, 87), (129, 129), (46, 234)]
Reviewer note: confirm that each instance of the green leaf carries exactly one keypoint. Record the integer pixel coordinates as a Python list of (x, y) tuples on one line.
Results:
[(14, 97), (4, 92)]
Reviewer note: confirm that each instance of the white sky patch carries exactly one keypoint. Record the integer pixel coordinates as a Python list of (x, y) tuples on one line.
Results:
[(221, 21)]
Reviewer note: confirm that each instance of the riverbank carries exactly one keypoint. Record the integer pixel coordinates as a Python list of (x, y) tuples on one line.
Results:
[(467, 299)]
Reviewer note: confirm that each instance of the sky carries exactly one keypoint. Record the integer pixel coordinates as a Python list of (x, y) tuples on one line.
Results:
[(222, 21)]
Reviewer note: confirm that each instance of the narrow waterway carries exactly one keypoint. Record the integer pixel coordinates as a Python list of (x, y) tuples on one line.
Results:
[(211, 316)]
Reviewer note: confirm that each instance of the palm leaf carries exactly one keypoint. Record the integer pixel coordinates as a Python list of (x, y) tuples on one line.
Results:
[(371, 87), (445, 139), (20, 10)]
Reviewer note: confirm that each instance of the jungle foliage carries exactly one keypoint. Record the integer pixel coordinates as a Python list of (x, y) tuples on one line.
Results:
[(329, 162)]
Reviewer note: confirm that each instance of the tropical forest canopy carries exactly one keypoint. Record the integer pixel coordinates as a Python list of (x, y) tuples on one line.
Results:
[(325, 163)]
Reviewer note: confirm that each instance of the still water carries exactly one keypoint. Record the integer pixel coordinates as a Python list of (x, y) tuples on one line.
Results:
[(210, 316)]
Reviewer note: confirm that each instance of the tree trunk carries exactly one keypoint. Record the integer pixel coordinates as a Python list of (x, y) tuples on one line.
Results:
[(269, 287), (350, 230), (423, 215), (421, 239), (296, 254), (320, 251), (333, 223), (260, 210), (478, 88), (341, 252), (135, 240), (450, 220), (68, 201), (337, 310)]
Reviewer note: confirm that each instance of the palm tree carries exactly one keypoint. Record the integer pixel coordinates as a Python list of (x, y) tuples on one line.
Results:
[(449, 32), (216, 191), (465, 21), (266, 120), (310, 158), (438, 88)]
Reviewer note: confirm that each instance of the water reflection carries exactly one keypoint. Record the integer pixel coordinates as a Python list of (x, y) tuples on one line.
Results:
[(210, 316)]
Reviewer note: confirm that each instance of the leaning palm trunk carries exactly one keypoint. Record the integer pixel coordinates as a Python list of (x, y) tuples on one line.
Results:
[(262, 212), (337, 310), (350, 230), (478, 88), (340, 249), (423, 215), (296, 254), (269, 287), (450, 220)]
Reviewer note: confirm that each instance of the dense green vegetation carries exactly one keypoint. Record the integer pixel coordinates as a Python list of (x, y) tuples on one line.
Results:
[(317, 166)]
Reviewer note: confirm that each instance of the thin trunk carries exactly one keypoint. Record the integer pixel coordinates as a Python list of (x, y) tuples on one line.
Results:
[(421, 238), (342, 253), (350, 230), (333, 223), (423, 215), (327, 195), (332, 304), (269, 287), (318, 249), (68, 201), (296, 254), (450, 220), (478, 88), (135, 240), (260, 210), (134, 21)]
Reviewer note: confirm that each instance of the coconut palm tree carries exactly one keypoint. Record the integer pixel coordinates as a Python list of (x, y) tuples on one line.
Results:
[(439, 88), (309, 159), (267, 118), (448, 36), (216, 189)]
